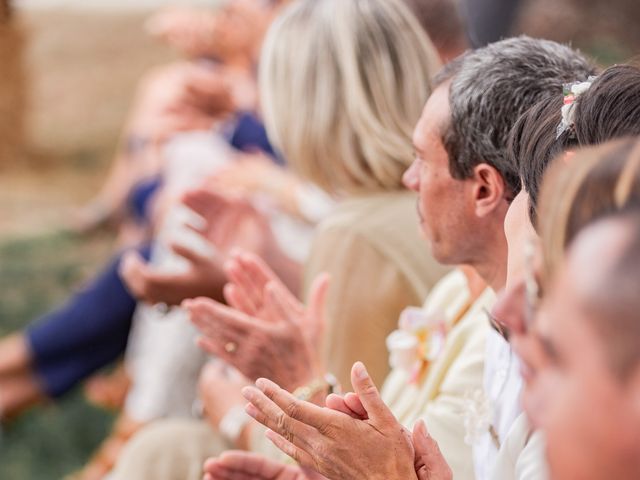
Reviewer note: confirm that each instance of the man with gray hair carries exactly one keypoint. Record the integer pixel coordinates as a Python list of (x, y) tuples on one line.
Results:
[(465, 183)]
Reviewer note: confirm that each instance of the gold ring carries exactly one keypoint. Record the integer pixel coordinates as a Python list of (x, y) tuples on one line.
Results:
[(230, 347)]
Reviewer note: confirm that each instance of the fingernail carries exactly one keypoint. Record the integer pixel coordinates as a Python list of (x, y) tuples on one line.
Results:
[(421, 428), (361, 371), (262, 384), (247, 392)]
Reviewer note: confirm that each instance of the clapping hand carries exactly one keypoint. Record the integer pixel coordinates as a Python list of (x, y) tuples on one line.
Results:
[(333, 443), (228, 223), (265, 330), (237, 465)]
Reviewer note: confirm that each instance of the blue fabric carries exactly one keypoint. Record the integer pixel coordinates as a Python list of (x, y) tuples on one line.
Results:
[(248, 135), (86, 333), (139, 201)]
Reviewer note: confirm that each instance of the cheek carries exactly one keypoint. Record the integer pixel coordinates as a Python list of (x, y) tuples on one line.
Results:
[(577, 423)]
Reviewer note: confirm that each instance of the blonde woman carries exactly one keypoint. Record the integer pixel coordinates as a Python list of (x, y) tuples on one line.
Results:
[(341, 105), (342, 84)]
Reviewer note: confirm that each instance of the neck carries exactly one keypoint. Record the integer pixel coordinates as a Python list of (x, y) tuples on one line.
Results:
[(492, 266)]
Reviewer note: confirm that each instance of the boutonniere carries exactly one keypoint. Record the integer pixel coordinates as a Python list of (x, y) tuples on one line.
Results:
[(417, 342)]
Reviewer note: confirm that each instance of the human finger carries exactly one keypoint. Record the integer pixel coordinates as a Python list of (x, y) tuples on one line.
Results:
[(254, 272), (197, 258), (305, 412), (213, 318), (248, 462), (204, 202), (317, 304), (133, 270), (430, 464), (369, 395), (355, 405), (268, 413), (255, 266), (298, 454), (237, 300), (245, 286), (337, 403)]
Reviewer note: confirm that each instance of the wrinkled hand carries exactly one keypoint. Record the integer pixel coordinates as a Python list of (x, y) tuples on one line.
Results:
[(204, 276), (330, 442), (429, 463), (237, 465), (271, 340), (228, 223)]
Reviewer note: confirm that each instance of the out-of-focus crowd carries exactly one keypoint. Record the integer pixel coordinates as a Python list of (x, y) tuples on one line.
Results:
[(323, 196)]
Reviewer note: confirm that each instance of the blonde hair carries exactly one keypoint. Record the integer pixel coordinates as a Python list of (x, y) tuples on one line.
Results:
[(342, 85), (582, 188)]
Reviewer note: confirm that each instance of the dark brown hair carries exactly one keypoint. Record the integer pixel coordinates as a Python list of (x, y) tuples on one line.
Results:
[(610, 109)]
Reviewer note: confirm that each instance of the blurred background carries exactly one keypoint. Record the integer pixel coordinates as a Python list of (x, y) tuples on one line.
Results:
[(68, 72)]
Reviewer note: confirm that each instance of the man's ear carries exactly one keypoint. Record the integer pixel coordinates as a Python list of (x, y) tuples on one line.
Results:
[(488, 189)]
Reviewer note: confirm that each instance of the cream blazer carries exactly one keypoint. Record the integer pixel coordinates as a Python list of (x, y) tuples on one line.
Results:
[(379, 264), (443, 394)]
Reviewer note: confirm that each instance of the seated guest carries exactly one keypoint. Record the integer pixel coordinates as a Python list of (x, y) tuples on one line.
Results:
[(465, 108), (214, 87), (592, 186), (351, 136)]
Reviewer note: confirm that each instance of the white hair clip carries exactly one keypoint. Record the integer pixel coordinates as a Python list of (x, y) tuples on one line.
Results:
[(571, 92)]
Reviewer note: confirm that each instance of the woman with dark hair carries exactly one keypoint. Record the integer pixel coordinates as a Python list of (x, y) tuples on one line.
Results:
[(609, 108)]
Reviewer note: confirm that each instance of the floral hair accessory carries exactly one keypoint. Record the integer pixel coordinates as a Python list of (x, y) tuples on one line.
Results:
[(418, 341), (571, 92)]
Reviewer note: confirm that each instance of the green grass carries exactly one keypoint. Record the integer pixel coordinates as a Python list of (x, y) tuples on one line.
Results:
[(35, 275)]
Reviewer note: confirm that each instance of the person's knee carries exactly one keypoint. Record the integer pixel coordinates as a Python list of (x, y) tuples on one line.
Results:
[(168, 450)]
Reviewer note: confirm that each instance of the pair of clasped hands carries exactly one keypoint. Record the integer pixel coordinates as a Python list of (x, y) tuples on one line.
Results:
[(353, 437)]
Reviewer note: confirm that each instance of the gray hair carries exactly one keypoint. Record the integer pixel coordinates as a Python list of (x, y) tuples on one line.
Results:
[(491, 87)]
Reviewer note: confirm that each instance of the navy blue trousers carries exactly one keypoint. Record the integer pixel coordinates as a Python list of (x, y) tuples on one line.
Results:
[(85, 334)]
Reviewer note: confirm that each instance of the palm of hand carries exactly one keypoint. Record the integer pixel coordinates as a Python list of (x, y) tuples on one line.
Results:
[(229, 222)]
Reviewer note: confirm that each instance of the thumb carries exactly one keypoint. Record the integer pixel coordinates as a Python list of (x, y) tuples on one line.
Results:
[(318, 304), (132, 270), (430, 464), (368, 393)]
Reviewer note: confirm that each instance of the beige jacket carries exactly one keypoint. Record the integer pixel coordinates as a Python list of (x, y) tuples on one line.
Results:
[(379, 264), (442, 397)]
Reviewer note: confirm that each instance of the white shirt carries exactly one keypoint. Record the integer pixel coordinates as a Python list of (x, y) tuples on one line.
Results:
[(503, 388)]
